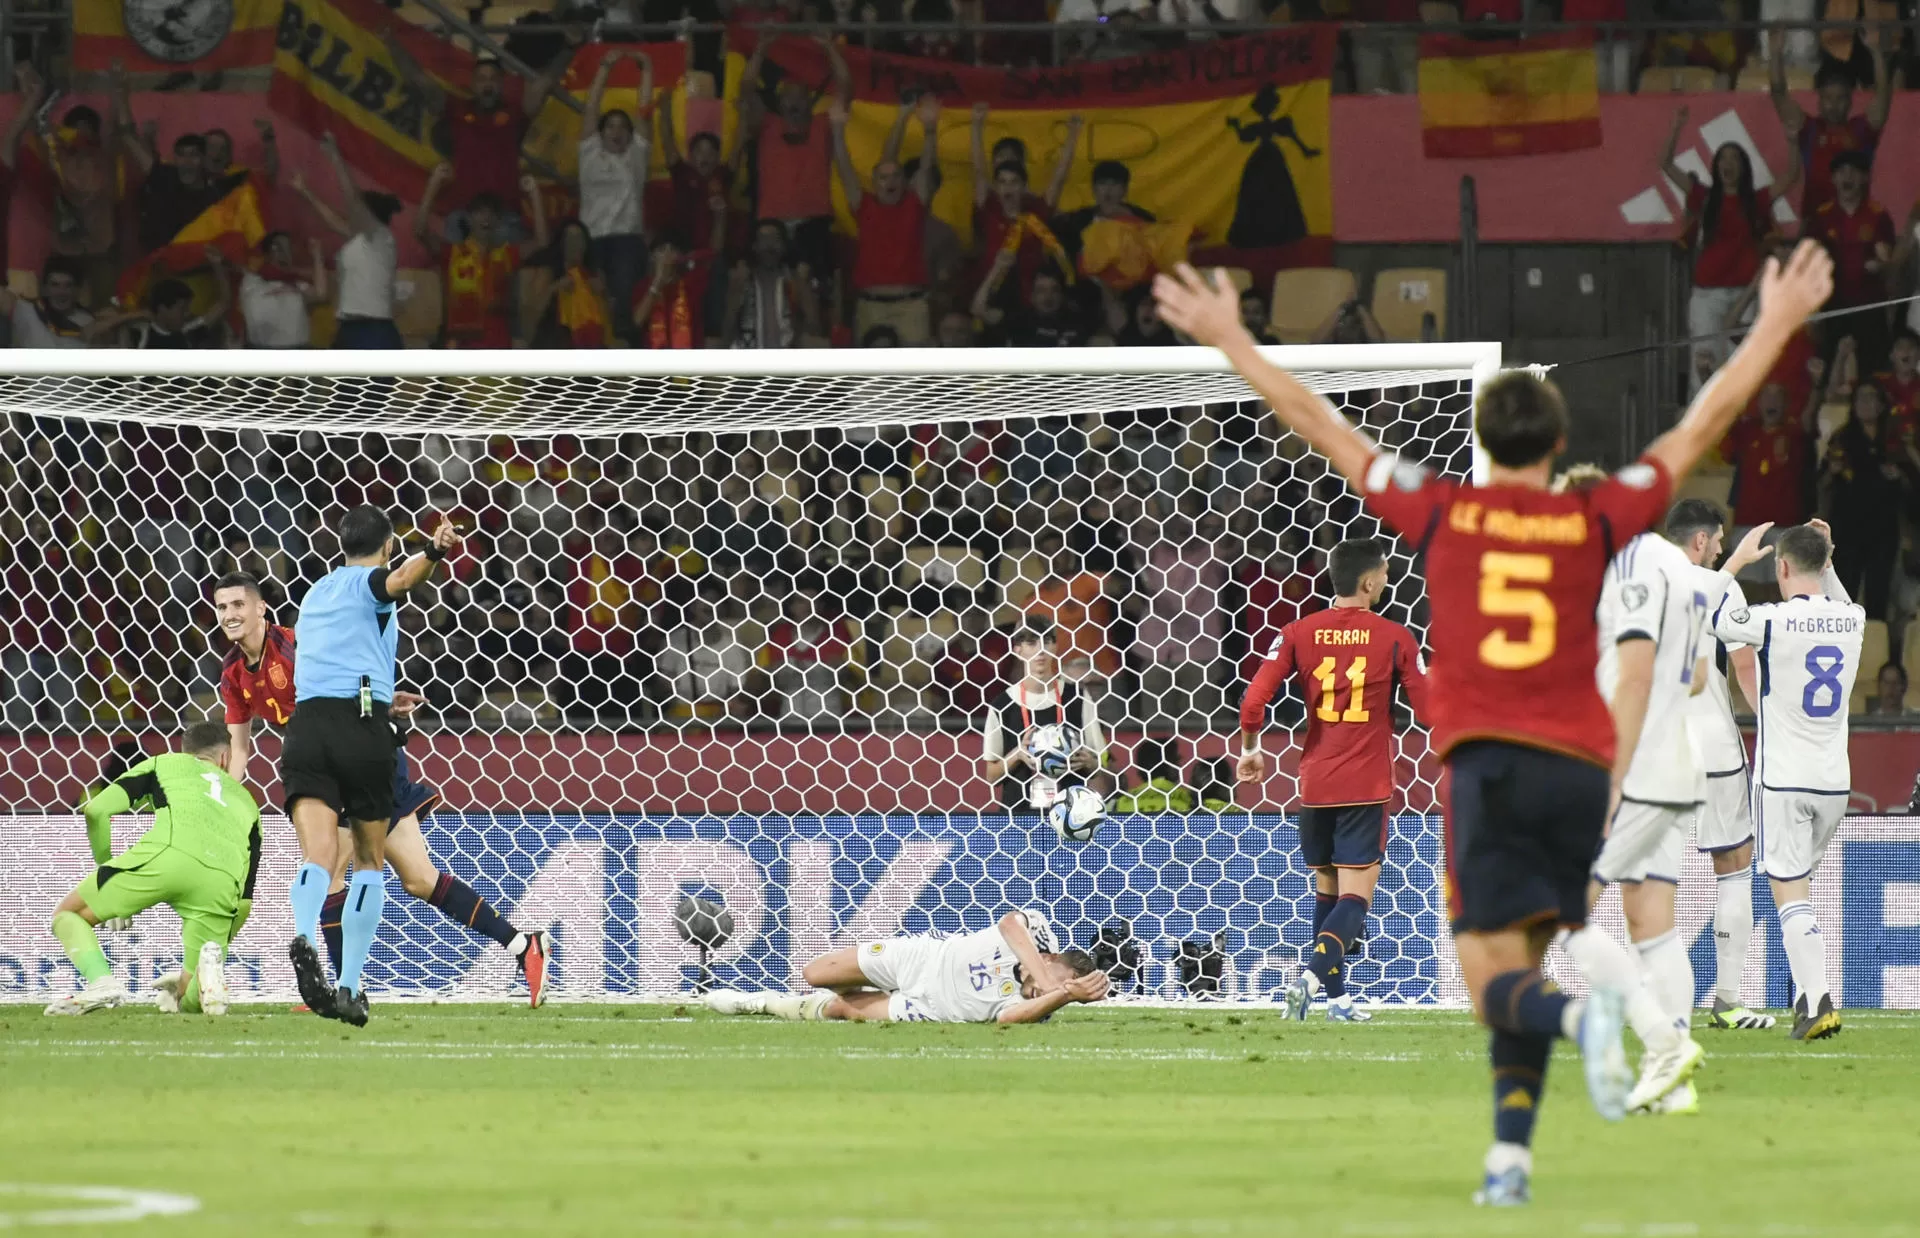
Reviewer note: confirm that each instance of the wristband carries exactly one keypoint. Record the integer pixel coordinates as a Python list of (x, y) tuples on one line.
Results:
[(434, 554)]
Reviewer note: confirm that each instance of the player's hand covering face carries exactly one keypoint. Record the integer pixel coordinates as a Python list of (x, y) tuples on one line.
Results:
[(1089, 988), (1209, 312), (1799, 288)]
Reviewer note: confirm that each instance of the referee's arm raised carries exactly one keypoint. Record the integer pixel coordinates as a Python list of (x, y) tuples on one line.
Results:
[(417, 568)]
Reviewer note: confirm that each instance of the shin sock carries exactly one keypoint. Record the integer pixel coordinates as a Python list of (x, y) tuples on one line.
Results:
[(1670, 976), (462, 904), (82, 945), (1607, 965), (366, 895), (1806, 952), (330, 925), (1519, 1071), (1525, 1003), (1732, 932), (309, 891)]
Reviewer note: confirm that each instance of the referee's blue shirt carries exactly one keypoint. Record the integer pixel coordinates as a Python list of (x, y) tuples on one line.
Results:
[(346, 630)]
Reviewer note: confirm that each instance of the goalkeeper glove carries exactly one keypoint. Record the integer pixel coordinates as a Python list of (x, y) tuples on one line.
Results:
[(118, 924)]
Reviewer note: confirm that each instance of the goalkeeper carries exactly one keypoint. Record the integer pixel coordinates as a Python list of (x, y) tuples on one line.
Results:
[(200, 858)]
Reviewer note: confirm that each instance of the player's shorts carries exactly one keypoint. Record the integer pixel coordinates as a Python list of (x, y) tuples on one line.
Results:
[(909, 964), (1725, 820), (334, 755), (1343, 835), (151, 874), (1644, 843), (902, 1008), (410, 798), (1523, 825), (1795, 829)]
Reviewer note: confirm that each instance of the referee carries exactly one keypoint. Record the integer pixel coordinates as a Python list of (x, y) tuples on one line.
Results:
[(336, 766)]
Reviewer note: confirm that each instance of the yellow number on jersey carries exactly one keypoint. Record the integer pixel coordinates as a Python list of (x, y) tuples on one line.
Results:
[(1499, 598), (1329, 710)]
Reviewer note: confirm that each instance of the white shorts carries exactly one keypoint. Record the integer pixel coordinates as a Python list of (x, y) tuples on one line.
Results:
[(1644, 843), (904, 1009), (1795, 828), (1725, 820), (901, 964)]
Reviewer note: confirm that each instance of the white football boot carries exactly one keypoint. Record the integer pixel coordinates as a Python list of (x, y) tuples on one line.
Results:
[(1661, 1073), (101, 994), (733, 1001), (212, 975), (167, 990)]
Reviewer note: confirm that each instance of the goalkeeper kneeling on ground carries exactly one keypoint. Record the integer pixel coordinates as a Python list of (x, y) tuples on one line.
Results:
[(1013, 972), (200, 858)]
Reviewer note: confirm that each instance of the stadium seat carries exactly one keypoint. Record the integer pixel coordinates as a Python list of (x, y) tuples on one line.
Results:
[(1019, 578), (1874, 651), (1683, 79), (1404, 296), (416, 304), (1304, 298), (1757, 77), (960, 565), (1715, 487)]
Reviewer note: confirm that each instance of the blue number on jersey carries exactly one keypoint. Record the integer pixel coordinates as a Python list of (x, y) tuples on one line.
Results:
[(1824, 664), (1696, 616), (977, 973)]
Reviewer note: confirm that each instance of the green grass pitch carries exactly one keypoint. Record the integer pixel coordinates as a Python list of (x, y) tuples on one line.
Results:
[(661, 1120)]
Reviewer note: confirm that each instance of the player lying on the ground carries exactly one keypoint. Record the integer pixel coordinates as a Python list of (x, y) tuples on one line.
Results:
[(1514, 572), (1346, 763), (1010, 973), (1809, 654), (200, 858), (256, 683)]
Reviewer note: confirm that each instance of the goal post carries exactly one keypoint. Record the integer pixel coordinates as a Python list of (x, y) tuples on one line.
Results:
[(730, 624)]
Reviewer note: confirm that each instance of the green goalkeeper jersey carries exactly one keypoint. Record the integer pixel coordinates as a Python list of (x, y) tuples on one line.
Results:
[(198, 810)]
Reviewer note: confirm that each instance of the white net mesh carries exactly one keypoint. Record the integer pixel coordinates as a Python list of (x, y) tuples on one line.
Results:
[(735, 635)]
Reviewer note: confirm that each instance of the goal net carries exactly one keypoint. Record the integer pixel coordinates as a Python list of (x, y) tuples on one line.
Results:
[(732, 626)]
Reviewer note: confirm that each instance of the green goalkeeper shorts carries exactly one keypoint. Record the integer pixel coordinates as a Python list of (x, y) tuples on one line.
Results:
[(149, 875)]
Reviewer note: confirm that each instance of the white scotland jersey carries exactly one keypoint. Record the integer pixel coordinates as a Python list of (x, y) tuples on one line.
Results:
[(1808, 657), (962, 978), (1652, 590), (1725, 820)]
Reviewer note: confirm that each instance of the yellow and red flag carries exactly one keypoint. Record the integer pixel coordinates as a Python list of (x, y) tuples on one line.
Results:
[(332, 72), (1532, 96), (156, 37), (1226, 140), (234, 225)]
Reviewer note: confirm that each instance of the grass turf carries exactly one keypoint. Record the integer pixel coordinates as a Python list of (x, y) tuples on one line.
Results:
[(662, 1120)]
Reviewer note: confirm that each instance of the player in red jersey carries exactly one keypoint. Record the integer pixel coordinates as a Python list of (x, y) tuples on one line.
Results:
[(256, 683), (1513, 576), (1342, 654)]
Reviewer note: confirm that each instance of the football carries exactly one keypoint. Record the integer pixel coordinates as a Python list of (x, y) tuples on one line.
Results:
[(1077, 814), (1051, 747)]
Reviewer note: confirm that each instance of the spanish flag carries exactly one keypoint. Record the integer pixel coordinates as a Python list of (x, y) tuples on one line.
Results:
[(1481, 98), (233, 225), (158, 38)]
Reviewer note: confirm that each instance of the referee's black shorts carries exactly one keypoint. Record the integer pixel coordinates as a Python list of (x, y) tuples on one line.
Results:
[(334, 755)]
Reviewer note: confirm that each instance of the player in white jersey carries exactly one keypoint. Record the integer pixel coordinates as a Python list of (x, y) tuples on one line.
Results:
[(1809, 654), (1723, 827), (1013, 972), (1650, 616)]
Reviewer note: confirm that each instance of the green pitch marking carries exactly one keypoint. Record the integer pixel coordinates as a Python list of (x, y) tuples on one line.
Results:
[(665, 1120)]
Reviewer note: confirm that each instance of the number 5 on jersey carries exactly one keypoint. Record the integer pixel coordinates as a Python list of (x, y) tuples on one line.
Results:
[(1504, 595)]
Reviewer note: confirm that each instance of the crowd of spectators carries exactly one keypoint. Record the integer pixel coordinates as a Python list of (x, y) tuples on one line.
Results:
[(857, 578)]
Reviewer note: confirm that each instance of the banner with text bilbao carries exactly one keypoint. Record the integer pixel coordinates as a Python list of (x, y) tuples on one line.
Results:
[(1227, 891)]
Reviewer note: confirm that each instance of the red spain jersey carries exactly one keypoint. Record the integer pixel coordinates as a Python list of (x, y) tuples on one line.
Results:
[(1346, 661), (263, 691), (1513, 576)]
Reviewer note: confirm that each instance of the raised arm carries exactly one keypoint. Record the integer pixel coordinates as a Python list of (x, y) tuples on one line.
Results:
[(269, 150), (977, 147), (409, 575), (1209, 312), (928, 110), (843, 158), (896, 135), (1062, 166), (541, 88), (983, 307), (1792, 119), (1881, 105), (328, 216), (432, 93), (842, 81), (359, 218), (136, 142), (1675, 173), (536, 211), (669, 143), (320, 293), (32, 92), (423, 231), (596, 92), (1788, 295)]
